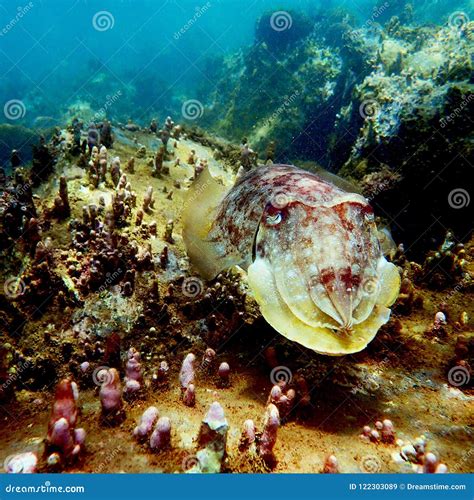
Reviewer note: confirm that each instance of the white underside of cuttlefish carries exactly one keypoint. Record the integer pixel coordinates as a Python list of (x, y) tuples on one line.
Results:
[(311, 251)]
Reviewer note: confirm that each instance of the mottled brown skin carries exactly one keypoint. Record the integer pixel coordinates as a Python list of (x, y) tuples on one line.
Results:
[(310, 249), (241, 210), (295, 208)]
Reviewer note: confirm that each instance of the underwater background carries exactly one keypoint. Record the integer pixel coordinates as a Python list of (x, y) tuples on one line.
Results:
[(110, 110)]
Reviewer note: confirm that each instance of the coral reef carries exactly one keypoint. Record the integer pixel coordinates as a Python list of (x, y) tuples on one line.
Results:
[(403, 90), (64, 440), (101, 292)]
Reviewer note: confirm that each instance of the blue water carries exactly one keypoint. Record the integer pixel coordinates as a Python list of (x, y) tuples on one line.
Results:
[(56, 54)]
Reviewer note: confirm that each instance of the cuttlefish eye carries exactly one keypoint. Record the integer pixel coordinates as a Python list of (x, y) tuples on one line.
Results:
[(273, 220), (272, 215)]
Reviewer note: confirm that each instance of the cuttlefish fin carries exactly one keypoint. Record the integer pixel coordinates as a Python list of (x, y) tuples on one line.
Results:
[(390, 282), (338, 181), (198, 215), (387, 244), (320, 339)]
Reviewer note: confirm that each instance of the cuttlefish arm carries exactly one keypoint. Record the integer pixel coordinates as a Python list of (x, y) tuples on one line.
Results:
[(320, 338)]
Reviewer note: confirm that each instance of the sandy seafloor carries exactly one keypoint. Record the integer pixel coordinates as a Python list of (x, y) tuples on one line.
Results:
[(401, 376)]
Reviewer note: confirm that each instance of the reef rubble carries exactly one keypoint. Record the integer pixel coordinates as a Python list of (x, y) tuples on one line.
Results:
[(167, 372)]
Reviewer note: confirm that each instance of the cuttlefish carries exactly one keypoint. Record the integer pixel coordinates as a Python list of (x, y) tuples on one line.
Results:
[(311, 251)]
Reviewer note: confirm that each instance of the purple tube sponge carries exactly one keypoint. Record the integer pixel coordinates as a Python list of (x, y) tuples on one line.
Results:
[(189, 396), (269, 435), (110, 395), (224, 374), (147, 421), (388, 432), (161, 437), (331, 465), (133, 374), (248, 436), (186, 375), (63, 437)]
